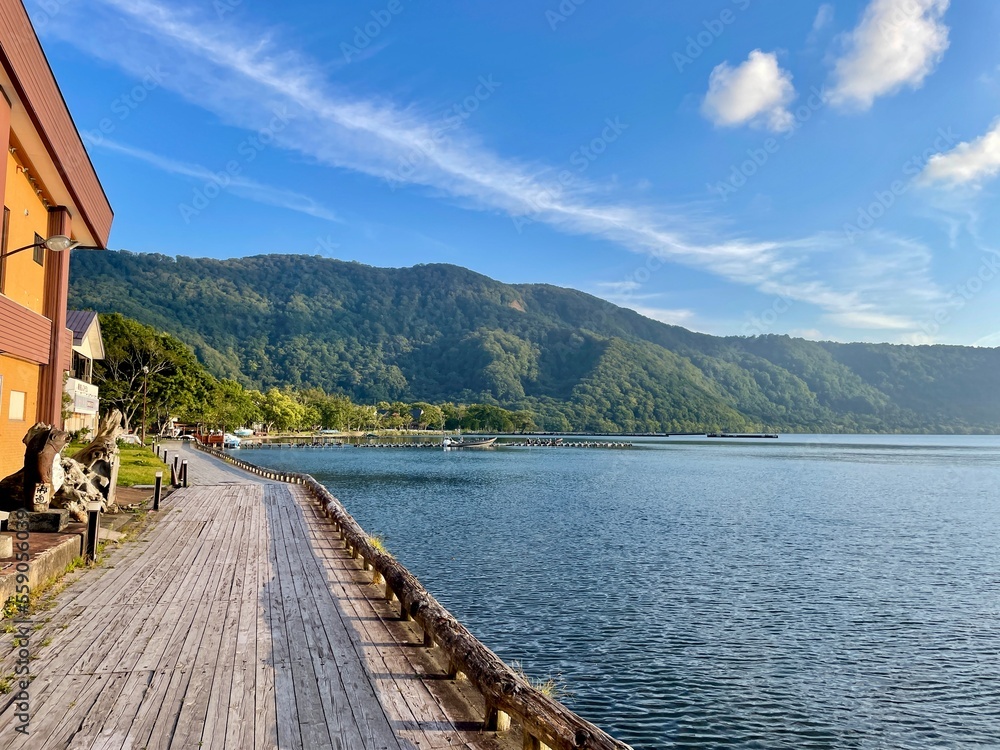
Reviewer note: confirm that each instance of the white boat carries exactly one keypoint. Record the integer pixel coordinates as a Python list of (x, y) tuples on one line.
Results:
[(450, 444), (230, 441)]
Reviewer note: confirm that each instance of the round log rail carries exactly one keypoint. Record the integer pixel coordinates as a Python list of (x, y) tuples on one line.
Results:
[(546, 722)]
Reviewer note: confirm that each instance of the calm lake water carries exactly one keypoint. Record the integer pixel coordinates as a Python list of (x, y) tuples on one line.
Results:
[(806, 592)]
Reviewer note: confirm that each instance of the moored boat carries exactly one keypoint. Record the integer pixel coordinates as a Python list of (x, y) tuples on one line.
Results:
[(449, 444)]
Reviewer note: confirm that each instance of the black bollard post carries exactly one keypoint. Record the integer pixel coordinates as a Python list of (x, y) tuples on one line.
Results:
[(184, 473), (157, 490), (93, 529)]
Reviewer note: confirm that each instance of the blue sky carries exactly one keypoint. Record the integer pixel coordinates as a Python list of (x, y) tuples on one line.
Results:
[(733, 166)]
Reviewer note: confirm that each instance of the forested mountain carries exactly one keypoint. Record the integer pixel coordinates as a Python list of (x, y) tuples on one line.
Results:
[(444, 333)]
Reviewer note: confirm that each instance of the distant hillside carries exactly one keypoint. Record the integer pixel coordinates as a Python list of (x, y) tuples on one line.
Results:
[(444, 333)]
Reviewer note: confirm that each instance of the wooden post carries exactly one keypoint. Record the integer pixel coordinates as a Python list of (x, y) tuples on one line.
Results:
[(177, 458), (184, 472), (173, 476), (404, 612), (496, 720), (157, 490), (389, 595), (93, 529), (428, 639)]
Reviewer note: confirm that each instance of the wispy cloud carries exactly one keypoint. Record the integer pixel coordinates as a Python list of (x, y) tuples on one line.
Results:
[(245, 77), (237, 184), (824, 17), (897, 43), (624, 294)]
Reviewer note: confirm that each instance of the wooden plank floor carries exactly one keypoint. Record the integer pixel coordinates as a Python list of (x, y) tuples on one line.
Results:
[(235, 621)]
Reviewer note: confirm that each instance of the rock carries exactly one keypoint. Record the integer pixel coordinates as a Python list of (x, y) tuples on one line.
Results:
[(51, 521)]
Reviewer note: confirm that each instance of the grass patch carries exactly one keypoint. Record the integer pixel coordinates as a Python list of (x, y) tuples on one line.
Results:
[(139, 466), (551, 687), (379, 544)]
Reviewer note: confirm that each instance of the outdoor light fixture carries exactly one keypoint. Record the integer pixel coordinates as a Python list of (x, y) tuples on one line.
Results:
[(57, 244)]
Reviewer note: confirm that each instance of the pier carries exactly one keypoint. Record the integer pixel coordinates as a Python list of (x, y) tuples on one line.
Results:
[(428, 444), (249, 614)]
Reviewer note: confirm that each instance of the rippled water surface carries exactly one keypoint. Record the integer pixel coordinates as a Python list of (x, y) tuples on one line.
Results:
[(809, 592)]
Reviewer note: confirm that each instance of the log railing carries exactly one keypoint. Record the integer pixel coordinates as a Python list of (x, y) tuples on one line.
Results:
[(547, 724)]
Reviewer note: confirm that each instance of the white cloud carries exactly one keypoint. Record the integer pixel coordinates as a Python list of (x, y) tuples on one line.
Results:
[(814, 334), (757, 92), (897, 43), (242, 186), (244, 81), (970, 162), (992, 340), (824, 16), (619, 287), (670, 317), (871, 320)]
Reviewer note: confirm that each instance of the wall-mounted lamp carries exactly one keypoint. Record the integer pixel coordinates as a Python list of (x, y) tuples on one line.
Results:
[(57, 244)]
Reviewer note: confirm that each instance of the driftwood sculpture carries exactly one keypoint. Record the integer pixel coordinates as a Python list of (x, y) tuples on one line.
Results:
[(49, 479), (33, 487)]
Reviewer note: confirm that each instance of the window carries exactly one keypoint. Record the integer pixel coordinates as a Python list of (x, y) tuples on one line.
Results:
[(4, 239), (39, 250), (81, 367), (16, 411)]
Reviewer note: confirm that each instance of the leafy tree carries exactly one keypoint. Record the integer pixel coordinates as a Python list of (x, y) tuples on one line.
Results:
[(231, 406), (279, 410), (144, 365)]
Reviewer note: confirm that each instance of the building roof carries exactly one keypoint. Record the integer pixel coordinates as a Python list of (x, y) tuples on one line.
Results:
[(48, 141), (84, 323), (78, 321)]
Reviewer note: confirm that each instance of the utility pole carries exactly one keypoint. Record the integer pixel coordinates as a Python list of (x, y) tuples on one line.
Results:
[(145, 381)]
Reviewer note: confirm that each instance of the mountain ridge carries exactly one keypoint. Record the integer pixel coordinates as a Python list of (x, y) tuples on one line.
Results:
[(441, 332)]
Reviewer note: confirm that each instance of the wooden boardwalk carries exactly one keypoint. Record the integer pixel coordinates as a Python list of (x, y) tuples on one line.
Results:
[(236, 620)]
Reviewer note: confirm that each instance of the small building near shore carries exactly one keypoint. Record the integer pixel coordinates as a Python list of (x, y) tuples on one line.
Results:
[(83, 404)]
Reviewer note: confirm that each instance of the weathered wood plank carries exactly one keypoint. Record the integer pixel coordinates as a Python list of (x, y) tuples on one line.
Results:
[(227, 626)]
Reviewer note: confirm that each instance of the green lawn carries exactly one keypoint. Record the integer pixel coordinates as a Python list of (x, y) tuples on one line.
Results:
[(138, 465)]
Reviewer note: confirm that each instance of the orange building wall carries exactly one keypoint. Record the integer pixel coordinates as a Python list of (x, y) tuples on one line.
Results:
[(24, 280), (17, 376)]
